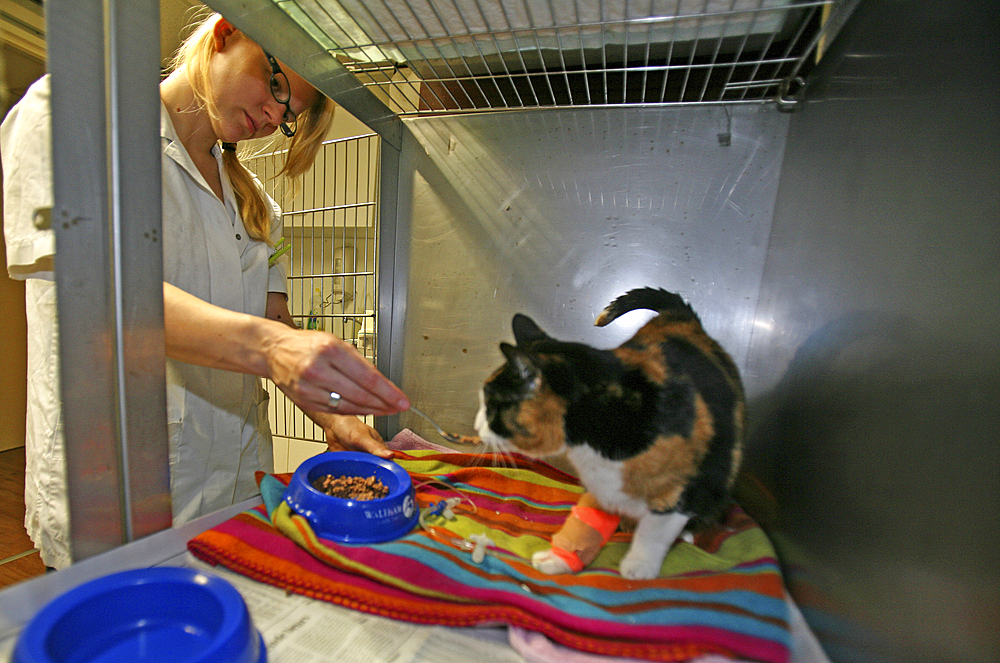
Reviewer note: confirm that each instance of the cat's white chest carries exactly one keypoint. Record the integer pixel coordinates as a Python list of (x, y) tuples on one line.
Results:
[(603, 479)]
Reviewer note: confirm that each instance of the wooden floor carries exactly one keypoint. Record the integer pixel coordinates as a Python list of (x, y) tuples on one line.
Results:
[(15, 565)]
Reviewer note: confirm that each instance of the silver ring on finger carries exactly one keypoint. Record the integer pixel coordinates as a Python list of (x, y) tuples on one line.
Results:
[(334, 401)]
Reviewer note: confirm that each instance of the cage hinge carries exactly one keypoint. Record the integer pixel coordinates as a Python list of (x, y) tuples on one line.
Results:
[(790, 92)]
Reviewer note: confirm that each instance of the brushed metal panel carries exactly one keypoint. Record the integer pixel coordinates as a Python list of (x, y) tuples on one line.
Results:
[(556, 213), (875, 346)]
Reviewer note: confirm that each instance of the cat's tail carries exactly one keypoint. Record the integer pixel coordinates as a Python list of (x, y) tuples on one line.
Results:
[(654, 299)]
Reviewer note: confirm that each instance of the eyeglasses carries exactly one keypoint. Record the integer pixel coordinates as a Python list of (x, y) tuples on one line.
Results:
[(282, 93)]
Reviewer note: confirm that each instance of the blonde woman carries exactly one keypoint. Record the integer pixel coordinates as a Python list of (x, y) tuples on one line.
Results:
[(225, 308)]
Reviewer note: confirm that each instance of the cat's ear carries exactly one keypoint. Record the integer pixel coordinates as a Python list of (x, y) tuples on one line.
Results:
[(521, 362), (525, 329)]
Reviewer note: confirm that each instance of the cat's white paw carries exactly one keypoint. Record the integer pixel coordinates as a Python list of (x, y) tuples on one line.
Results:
[(653, 536), (638, 565), (549, 563)]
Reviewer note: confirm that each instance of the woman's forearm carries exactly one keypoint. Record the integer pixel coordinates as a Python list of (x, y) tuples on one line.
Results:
[(207, 335), (306, 365)]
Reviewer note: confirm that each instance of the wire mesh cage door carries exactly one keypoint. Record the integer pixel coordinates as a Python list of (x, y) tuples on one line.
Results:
[(329, 242), (452, 56)]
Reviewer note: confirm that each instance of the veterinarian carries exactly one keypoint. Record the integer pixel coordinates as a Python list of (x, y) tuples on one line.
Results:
[(224, 304)]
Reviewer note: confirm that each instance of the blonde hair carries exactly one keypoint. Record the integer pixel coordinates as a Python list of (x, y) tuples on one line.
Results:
[(195, 54)]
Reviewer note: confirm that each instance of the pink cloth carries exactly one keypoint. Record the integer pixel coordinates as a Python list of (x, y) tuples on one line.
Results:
[(536, 648), (407, 440)]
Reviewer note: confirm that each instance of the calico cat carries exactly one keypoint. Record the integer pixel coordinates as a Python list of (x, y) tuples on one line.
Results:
[(654, 428)]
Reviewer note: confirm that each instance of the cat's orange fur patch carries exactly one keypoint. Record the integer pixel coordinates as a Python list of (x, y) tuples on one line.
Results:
[(660, 474), (693, 333), (739, 421), (542, 416), (644, 352)]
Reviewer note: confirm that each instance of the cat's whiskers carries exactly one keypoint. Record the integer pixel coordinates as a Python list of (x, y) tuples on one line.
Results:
[(494, 454), (491, 447), (503, 455)]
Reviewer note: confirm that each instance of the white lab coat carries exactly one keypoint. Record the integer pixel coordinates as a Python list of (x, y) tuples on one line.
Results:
[(217, 420)]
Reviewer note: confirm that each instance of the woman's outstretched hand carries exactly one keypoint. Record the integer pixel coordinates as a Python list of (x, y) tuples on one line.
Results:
[(308, 366)]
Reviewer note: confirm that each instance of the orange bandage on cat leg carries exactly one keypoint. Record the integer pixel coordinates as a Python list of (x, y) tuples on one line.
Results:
[(584, 533)]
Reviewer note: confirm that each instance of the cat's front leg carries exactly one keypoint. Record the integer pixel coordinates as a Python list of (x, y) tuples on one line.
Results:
[(580, 539), (653, 536)]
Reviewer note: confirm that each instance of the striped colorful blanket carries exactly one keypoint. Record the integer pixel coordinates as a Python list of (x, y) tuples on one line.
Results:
[(721, 595)]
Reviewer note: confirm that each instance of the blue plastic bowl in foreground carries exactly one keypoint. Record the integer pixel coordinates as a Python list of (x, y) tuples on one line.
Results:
[(354, 521), (155, 615)]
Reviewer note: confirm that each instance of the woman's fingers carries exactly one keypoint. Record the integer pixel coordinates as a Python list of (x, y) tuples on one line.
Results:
[(367, 386)]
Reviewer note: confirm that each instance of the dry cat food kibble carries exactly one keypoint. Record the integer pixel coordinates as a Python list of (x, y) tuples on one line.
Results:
[(351, 488)]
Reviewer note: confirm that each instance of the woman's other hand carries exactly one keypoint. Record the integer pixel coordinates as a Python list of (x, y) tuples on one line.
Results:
[(348, 433)]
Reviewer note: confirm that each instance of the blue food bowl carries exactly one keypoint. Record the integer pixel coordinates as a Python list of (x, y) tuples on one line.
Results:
[(155, 615), (350, 520)]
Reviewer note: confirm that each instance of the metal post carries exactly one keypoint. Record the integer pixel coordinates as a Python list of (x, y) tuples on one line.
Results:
[(104, 59), (391, 283)]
